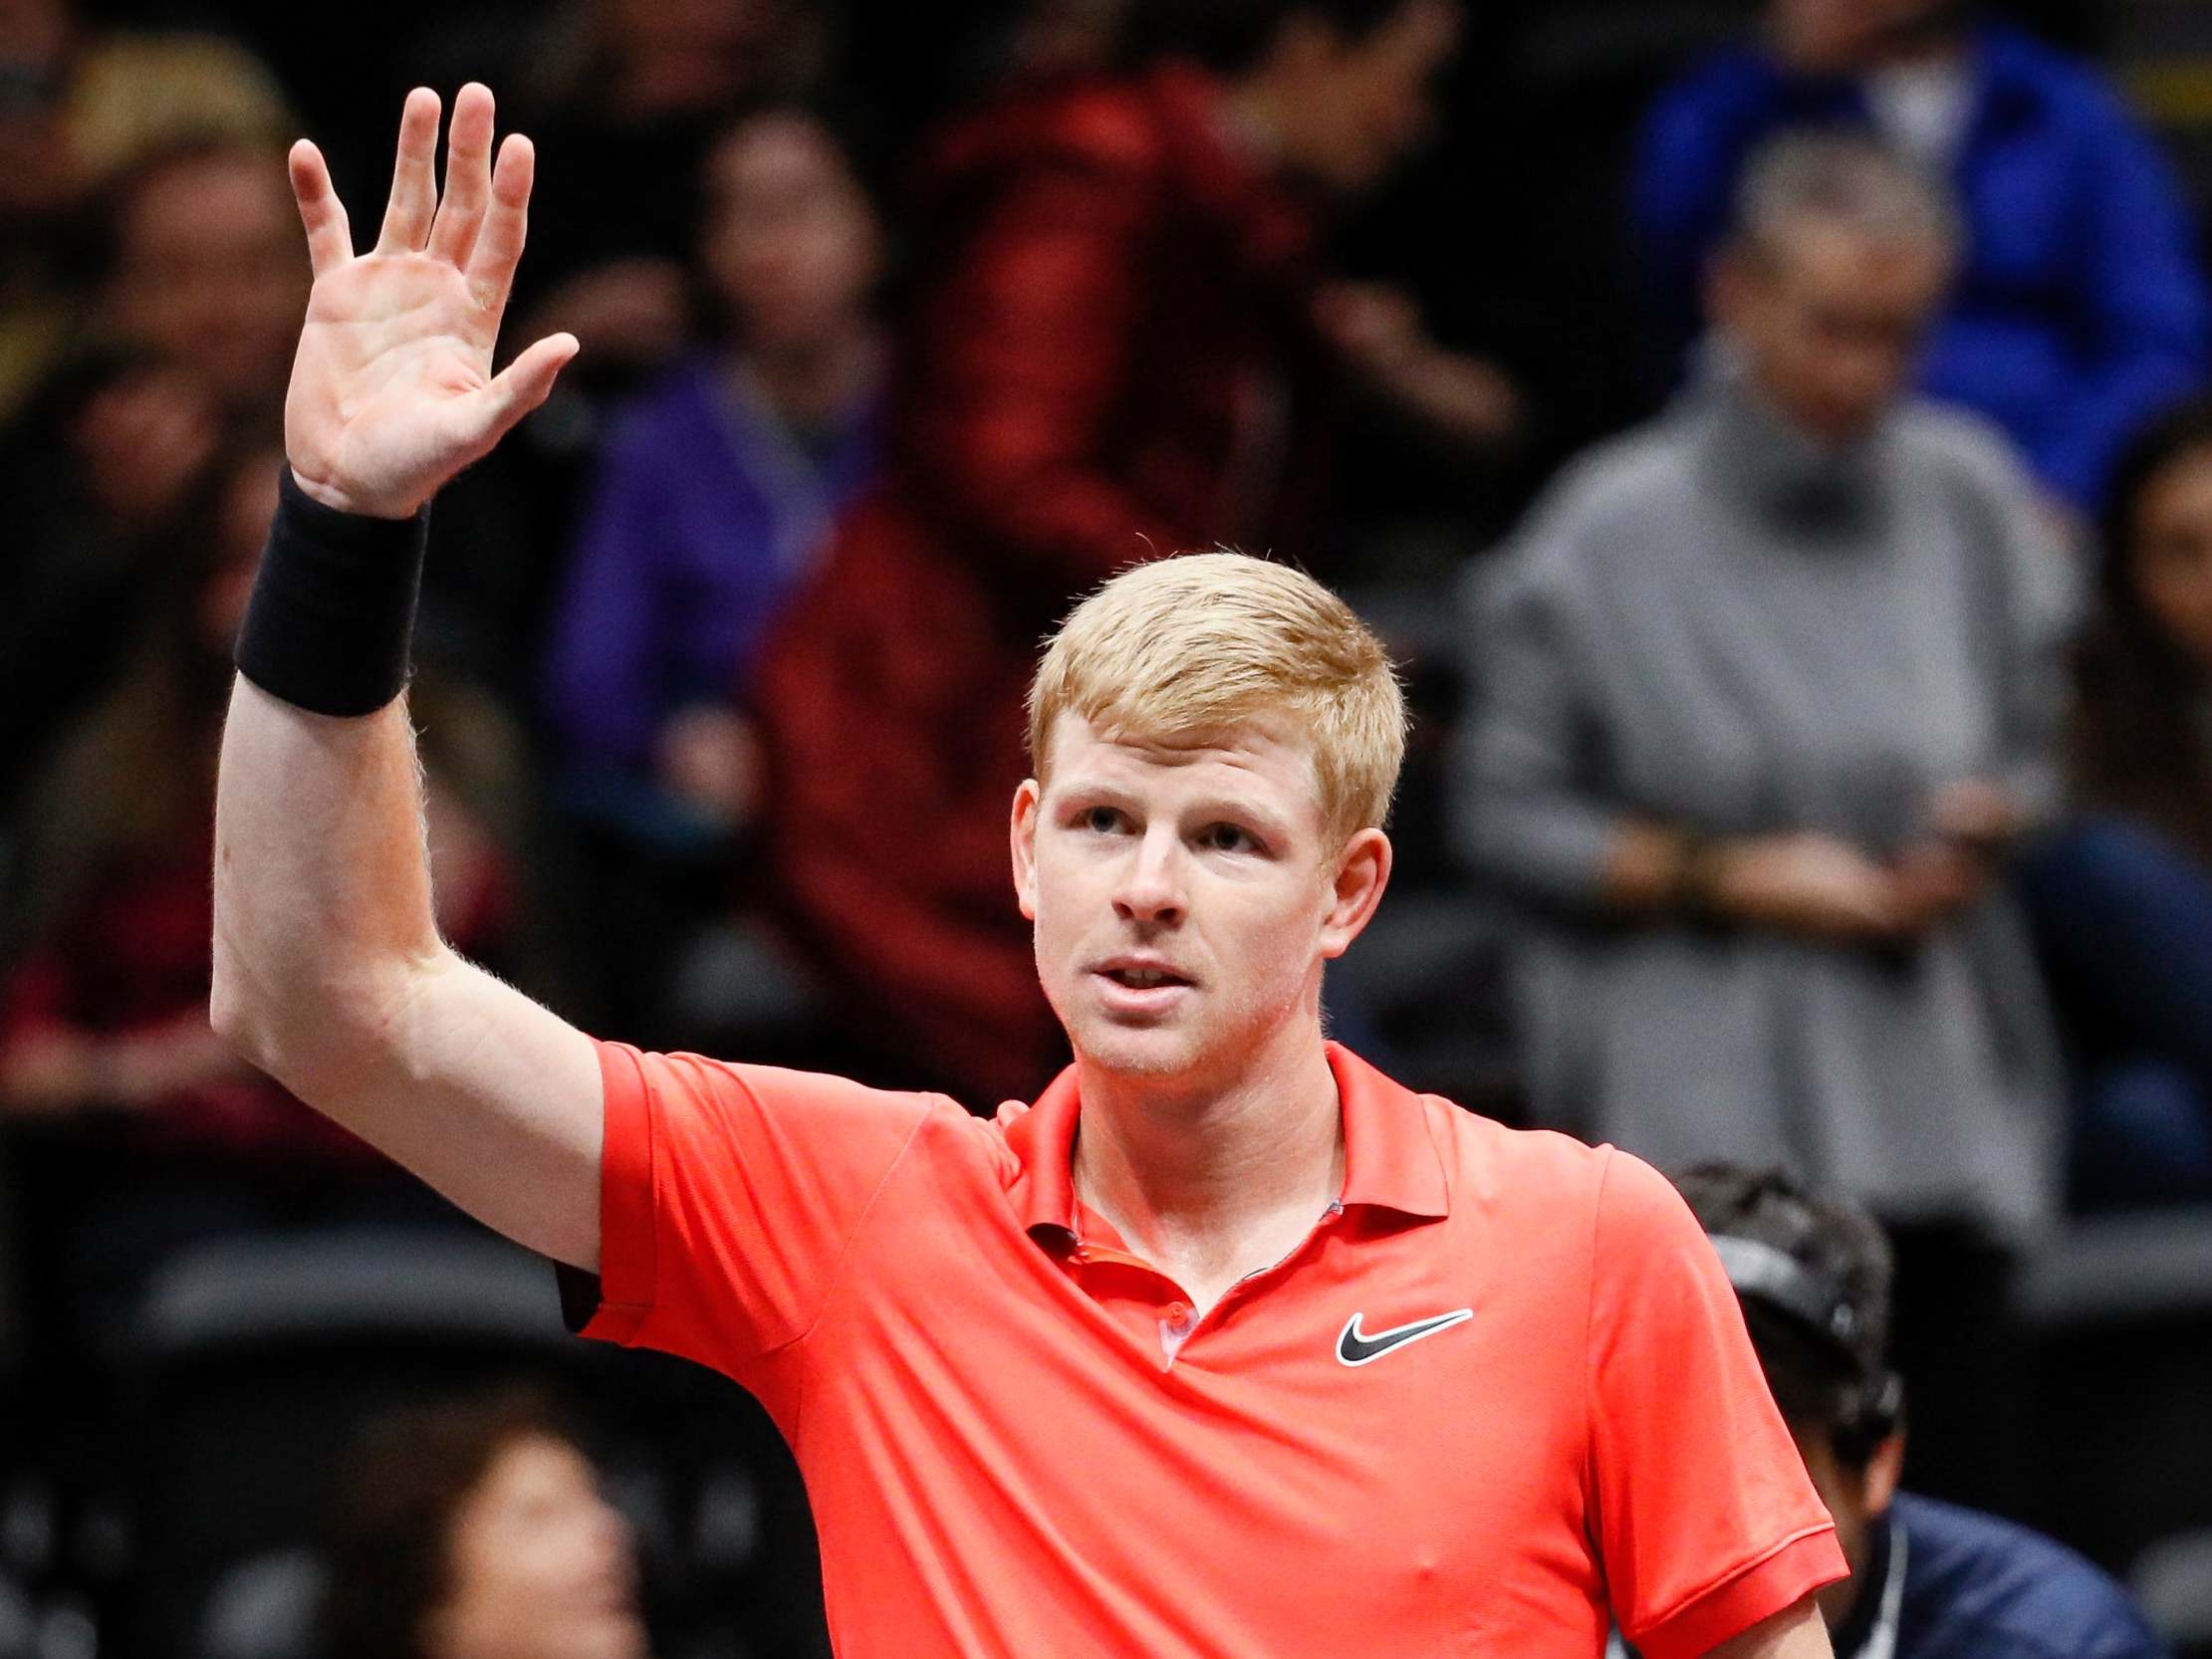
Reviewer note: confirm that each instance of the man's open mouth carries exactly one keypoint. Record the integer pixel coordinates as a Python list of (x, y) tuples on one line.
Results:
[(1144, 979)]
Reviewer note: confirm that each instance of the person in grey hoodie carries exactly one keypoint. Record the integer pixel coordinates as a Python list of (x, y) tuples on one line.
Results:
[(1766, 694)]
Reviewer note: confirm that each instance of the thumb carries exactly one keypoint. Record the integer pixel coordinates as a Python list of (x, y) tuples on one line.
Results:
[(521, 387)]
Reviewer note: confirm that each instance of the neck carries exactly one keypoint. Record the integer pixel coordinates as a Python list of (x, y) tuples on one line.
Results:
[(812, 381), (1217, 1181), (1937, 41)]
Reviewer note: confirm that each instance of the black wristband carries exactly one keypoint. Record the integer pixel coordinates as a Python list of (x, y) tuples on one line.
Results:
[(333, 608)]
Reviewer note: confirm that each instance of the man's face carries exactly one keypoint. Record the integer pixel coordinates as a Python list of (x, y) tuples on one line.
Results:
[(1185, 893), (212, 274), (1830, 322), (2169, 557), (1855, 1497), (1356, 107), (789, 239), (541, 1567)]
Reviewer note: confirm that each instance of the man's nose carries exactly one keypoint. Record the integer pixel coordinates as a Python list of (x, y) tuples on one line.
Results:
[(1151, 886)]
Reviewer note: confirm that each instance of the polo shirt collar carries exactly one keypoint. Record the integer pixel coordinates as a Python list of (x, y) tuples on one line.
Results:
[(1390, 1160)]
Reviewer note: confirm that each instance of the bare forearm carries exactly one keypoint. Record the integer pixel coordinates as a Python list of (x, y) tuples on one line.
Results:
[(322, 881)]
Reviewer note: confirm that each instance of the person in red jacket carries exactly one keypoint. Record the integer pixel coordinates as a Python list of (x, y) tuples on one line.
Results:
[(1120, 346)]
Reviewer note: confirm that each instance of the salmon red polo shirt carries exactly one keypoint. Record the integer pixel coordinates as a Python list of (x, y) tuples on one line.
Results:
[(1500, 1395)]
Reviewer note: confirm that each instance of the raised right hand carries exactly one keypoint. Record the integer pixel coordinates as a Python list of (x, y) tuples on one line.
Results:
[(392, 392)]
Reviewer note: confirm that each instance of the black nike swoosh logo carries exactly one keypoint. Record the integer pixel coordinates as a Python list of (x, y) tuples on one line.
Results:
[(1357, 1347)]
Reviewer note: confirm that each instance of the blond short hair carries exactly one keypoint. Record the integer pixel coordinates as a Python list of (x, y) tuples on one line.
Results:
[(1206, 639)]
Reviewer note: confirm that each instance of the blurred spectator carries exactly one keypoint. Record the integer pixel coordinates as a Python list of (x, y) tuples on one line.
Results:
[(2122, 897), (477, 1531), (1766, 694), (714, 493), (623, 101), (1930, 1580), (150, 1132), (205, 269), (716, 488), (203, 283), (1116, 348), (78, 104), (2080, 308)]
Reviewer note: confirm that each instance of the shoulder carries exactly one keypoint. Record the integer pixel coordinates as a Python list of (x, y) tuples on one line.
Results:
[(1969, 1572), (1962, 446), (1551, 1180), (1601, 505), (1539, 1166)]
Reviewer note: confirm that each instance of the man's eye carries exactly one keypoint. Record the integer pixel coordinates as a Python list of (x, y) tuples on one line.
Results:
[(1227, 838), (1105, 819)]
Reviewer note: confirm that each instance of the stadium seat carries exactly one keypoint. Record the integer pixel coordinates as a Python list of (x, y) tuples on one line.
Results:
[(2172, 1579), (2117, 1315)]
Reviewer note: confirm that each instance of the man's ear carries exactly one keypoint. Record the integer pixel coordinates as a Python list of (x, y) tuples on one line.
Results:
[(1022, 835), (1883, 1470), (1362, 870)]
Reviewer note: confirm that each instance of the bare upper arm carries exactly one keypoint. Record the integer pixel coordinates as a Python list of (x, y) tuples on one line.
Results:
[(493, 1100)]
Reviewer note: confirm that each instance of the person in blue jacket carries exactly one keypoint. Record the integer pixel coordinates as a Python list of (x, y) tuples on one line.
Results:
[(2082, 308), (1927, 1579)]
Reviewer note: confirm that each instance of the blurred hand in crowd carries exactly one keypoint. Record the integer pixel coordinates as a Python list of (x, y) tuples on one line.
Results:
[(1810, 883), (60, 1072), (1821, 887), (634, 311), (1379, 332), (708, 757), (142, 441)]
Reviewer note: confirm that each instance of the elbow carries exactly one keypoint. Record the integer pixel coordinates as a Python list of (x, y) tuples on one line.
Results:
[(244, 1019), (301, 1037)]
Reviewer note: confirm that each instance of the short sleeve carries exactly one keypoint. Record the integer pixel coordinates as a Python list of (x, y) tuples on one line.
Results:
[(1705, 1517), (729, 1199)]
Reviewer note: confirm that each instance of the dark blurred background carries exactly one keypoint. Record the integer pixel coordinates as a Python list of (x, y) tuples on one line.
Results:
[(900, 324)]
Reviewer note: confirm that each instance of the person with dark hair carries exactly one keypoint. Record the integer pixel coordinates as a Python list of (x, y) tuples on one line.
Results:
[(2121, 897), (713, 495), (135, 1130), (197, 301), (1117, 343), (475, 1530), (1928, 1581), (2081, 305)]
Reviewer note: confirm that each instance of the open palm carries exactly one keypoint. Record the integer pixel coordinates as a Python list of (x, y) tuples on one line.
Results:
[(393, 391)]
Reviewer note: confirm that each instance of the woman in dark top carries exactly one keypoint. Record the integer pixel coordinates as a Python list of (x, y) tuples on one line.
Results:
[(2121, 899)]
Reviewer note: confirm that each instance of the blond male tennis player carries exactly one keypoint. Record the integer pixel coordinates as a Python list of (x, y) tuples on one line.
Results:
[(1228, 1345)]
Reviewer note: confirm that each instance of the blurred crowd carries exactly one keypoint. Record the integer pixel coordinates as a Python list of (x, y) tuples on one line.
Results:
[(1774, 436)]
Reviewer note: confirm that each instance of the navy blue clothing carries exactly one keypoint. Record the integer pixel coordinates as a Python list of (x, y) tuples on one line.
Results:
[(2082, 309), (1977, 1587)]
